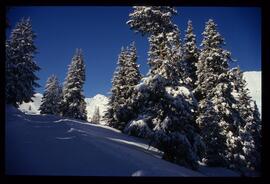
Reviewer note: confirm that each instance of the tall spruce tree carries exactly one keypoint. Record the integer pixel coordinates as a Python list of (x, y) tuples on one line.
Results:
[(20, 65), (116, 92), (50, 103), (96, 116), (250, 127), (132, 72), (125, 78), (215, 85), (190, 57), (73, 104), (132, 77), (166, 107)]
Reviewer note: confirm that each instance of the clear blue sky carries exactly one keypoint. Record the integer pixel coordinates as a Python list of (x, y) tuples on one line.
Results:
[(102, 31)]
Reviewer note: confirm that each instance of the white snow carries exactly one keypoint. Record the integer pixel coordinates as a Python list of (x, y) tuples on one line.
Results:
[(49, 145), (253, 79)]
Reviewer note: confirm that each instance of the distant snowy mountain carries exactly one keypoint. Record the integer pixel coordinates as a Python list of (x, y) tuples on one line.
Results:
[(91, 103), (32, 107), (100, 101), (253, 79)]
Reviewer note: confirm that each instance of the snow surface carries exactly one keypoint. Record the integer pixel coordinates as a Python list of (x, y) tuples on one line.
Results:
[(253, 79), (51, 145)]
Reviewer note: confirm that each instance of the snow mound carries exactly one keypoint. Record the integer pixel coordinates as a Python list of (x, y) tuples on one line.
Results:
[(253, 79)]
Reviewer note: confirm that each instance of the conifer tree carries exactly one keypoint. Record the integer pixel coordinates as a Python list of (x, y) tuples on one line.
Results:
[(50, 103), (190, 57), (215, 85), (116, 98), (73, 103), (20, 65), (96, 116), (166, 107), (250, 127), (125, 78), (133, 75)]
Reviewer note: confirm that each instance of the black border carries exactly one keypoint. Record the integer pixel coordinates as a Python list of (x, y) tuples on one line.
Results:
[(226, 3)]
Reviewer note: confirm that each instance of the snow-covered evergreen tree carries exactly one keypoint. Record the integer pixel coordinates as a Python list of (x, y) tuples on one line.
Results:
[(152, 20), (118, 83), (20, 65), (211, 131), (133, 75), (213, 60), (73, 104), (250, 127), (215, 90), (96, 116), (125, 78), (50, 103), (165, 106), (212, 63), (190, 57)]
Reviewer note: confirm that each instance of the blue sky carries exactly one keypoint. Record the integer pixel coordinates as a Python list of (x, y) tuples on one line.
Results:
[(102, 31)]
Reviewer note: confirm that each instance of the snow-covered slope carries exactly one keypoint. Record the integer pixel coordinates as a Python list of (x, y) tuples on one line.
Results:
[(100, 101), (51, 145), (32, 107), (253, 79)]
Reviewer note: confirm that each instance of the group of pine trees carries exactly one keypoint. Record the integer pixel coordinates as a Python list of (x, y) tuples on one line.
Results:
[(67, 101), (190, 105), (21, 79)]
